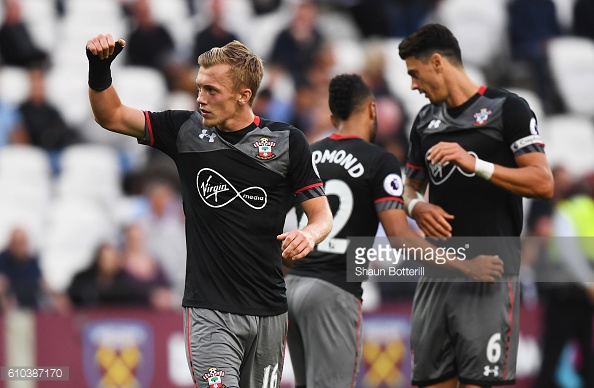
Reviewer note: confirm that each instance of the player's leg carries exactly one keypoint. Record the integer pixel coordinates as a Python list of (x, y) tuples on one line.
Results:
[(485, 322), (295, 292), (263, 361), (215, 344), (431, 345), (330, 322)]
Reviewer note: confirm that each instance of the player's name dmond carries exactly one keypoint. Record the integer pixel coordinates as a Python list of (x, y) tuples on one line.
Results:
[(340, 157), (391, 271)]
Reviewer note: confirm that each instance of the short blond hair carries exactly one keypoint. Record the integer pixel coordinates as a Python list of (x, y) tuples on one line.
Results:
[(246, 68)]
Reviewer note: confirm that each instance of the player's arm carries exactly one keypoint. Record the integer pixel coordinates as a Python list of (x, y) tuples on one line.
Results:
[(107, 108), (532, 177), (431, 219), (481, 268), (299, 242)]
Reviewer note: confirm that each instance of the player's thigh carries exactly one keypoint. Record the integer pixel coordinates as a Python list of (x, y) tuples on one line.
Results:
[(432, 349), (294, 338), (486, 324), (263, 361), (215, 345), (329, 322)]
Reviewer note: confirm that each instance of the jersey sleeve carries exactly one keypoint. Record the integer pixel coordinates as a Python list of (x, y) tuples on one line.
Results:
[(388, 186), (303, 175), (520, 128), (415, 163), (160, 129)]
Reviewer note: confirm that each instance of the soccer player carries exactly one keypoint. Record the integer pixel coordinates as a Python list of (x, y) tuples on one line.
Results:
[(479, 151), (239, 174), (364, 186)]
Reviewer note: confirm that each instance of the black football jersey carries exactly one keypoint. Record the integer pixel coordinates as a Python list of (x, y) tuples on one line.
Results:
[(236, 188), (496, 126), (360, 180)]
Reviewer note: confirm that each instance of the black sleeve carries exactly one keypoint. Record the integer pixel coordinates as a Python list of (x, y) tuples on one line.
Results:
[(387, 183), (303, 175), (520, 128), (415, 163), (161, 129)]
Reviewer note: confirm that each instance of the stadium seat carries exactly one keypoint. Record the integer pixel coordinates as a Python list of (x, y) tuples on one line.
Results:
[(74, 229), (174, 15), (569, 141), (90, 171), (14, 84), (25, 176), (67, 90), (565, 13), (480, 27), (572, 68), (20, 214), (42, 22)]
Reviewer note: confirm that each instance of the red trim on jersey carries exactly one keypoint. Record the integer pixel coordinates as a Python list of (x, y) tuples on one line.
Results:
[(150, 128), (357, 350), (257, 120), (309, 187), (189, 347), (415, 167), (482, 89), (336, 136), (383, 199), (511, 321)]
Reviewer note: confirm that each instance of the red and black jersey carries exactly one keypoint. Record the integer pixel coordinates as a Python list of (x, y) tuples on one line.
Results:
[(496, 126), (360, 180), (237, 188)]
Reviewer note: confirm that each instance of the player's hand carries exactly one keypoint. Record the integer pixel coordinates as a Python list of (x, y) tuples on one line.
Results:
[(444, 152), (104, 46), (484, 268), (433, 220), (296, 244)]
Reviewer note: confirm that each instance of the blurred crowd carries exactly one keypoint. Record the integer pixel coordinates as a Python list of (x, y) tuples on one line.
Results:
[(308, 44)]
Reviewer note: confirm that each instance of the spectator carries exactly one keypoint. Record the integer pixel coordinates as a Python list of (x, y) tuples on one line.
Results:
[(569, 306), (143, 271), (21, 281), (17, 48), (104, 283), (583, 14), (532, 23), (150, 44), (214, 35), (43, 123), (296, 47), (163, 228), (391, 133)]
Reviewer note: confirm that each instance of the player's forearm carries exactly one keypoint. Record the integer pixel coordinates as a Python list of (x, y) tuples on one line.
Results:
[(528, 181), (319, 226)]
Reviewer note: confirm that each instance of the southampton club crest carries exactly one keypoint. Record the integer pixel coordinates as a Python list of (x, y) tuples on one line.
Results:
[(264, 146), (482, 117), (214, 377)]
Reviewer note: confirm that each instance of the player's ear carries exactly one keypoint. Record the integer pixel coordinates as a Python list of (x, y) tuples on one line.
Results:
[(372, 109), (244, 96), (334, 121), (436, 62)]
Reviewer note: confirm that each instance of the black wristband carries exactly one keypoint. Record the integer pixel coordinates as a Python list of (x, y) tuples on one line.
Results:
[(100, 69)]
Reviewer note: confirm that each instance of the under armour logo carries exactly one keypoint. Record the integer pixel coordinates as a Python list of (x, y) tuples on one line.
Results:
[(434, 124), (494, 370), (210, 137)]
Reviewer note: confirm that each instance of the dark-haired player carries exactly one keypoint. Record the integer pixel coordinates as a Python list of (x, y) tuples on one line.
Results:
[(239, 175), (364, 186), (479, 151)]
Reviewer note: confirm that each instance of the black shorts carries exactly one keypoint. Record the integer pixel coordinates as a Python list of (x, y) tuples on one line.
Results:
[(465, 329)]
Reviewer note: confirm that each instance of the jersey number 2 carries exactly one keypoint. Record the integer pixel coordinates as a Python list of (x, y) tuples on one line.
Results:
[(332, 244)]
